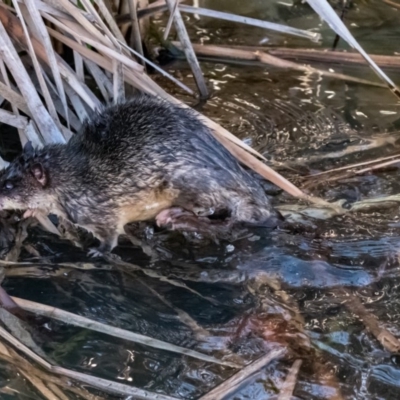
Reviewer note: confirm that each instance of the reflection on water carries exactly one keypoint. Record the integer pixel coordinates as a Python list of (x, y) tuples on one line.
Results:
[(266, 288)]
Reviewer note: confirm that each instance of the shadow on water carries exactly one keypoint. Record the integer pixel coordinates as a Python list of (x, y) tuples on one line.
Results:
[(267, 288)]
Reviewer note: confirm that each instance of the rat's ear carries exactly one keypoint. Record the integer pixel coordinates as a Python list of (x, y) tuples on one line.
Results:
[(28, 148), (39, 173)]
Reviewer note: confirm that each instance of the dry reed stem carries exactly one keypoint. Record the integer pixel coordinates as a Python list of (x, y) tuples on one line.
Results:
[(118, 82), (40, 386), (111, 386), (354, 305), (73, 120), (99, 21), (11, 356), (373, 144), (102, 81), (351, 166), (17, 121), (377, 166), (264, 58), (78, 32), (79, 67), (199, 332), (136, 37), (118, 72), (8, 355), (22, 133), (45, 39), (87, 323), (78, 265), (161, 71), (42, 6), (105, 12), (170, 20), (129, 268), (99, 383), (326, 56), (314, 36), (231, 384), (48, 128), (14, 98), (288, 386), (18, 329), (57, 391), (188, 50), (326, 12), (350, 173), (74, 12), (6, 301), (392, 3), (26, 18), (14, 28), (20, 236)]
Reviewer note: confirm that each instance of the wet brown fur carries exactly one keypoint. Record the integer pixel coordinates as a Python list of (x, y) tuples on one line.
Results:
[(131, 162)]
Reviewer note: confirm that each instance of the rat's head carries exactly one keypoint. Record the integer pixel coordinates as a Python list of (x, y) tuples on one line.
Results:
[(23, 183)]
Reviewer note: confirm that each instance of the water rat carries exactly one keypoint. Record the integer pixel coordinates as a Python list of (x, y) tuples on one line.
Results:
[(140, 160)]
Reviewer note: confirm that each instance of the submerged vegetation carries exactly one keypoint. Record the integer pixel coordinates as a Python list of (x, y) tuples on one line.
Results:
[(61, 60)]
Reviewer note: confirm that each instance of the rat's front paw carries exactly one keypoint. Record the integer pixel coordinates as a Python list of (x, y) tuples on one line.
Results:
[(94, 252)]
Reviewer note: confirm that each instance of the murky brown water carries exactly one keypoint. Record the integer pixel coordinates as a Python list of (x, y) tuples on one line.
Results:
[(303, 124)]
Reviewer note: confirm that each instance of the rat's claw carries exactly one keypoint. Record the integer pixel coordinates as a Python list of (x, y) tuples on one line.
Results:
[(95, 253)]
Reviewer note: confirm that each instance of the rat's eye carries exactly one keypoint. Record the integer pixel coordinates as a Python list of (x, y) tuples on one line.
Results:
[(8, 185)]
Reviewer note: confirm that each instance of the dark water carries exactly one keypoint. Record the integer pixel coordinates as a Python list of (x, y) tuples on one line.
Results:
[(267, 289)]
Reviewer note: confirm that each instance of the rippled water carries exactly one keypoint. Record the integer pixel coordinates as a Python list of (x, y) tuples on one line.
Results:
[(266, 289)]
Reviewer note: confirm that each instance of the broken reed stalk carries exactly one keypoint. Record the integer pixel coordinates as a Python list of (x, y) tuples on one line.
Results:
[(392, 3), (267, 59), (287, 389), (41, 116), (136, 37), (14, 29), (328, 57), (45, 39), (83, 322), (129, 268), (99, 383), (188, 50), (231, 384), (377, 166), (199, 332), (170, 20), (9, 355), (354, 305), (313, 36), (327, 13), (351, 166)]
